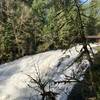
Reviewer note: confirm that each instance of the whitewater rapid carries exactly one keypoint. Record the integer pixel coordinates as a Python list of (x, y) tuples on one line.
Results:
[(14, 79)]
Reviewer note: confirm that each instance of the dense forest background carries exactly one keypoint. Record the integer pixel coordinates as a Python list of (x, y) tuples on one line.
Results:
[(32, 26)]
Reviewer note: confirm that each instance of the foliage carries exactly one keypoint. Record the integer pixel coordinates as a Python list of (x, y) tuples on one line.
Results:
[(32, 26)]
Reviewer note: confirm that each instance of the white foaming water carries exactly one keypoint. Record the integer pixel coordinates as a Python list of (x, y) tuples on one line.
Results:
[(14, 75)]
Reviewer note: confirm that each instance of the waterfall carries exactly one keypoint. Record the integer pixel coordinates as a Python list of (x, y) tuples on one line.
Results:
[(50, 67)]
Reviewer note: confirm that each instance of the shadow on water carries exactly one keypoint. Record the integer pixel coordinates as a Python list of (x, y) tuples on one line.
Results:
[(81, 92)]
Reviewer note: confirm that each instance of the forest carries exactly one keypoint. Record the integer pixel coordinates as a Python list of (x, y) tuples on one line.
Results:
[(31, 26)]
